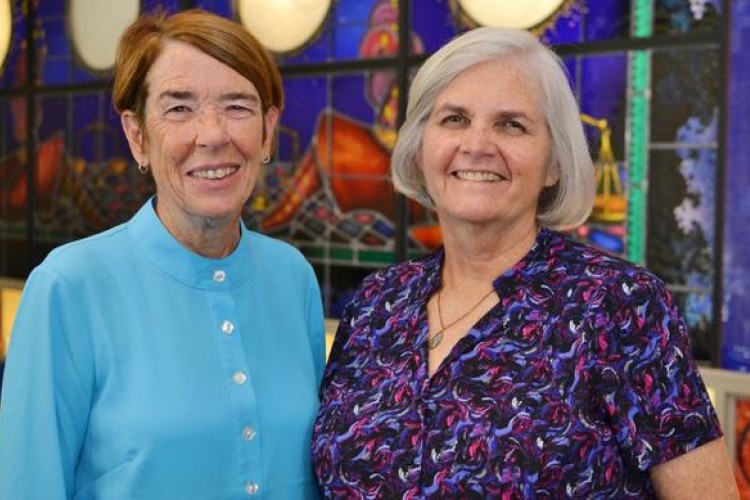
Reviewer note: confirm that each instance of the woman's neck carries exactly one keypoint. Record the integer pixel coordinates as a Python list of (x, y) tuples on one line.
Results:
[(210, 238), (475, 258)]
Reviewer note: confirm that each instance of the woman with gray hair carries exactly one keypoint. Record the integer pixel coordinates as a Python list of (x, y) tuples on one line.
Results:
[(513, 362)]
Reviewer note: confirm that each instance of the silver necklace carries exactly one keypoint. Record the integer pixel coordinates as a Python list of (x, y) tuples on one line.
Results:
[(437, 338)]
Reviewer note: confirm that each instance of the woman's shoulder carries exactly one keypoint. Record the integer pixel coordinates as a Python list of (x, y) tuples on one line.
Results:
[(409, 276), (86, 253), (579, 259), (76, 265)]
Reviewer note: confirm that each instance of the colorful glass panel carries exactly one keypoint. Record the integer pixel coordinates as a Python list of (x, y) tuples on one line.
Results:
[(600, 82), (676, 17)]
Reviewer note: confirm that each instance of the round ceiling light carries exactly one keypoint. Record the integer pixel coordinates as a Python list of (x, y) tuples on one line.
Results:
[(95, 27), (6, 29), (283, 25), (521, 14)]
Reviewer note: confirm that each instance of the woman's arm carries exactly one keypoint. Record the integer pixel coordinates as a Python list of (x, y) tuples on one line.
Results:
[(704, 472), (46, 395)]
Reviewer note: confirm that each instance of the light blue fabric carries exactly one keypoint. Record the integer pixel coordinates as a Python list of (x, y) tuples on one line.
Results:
[(135, 372)]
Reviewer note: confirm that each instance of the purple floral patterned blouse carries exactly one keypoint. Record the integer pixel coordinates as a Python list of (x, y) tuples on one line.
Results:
[(577, 383)]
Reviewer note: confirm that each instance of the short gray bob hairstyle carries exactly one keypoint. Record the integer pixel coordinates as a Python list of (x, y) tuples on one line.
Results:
[(564, 205)]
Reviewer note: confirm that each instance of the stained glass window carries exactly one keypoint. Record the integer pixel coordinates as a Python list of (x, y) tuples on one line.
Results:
[(327, 190)]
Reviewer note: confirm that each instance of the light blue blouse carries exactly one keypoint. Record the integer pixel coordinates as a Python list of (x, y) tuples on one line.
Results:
[(138, 369)]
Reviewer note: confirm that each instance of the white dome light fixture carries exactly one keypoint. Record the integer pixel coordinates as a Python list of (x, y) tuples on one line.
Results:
[(521, 14), (283, 25), (95, 27), (6, 29)]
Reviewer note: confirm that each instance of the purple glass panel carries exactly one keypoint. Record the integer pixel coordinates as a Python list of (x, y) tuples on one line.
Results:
[(736, 297)]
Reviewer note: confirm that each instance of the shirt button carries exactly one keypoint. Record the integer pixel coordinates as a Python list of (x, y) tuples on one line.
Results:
[(239, 378), (251, 488), (248, 433), (227, 327), (220, 276)]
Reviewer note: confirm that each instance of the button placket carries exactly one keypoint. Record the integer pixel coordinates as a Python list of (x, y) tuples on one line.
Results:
[(225, 324)]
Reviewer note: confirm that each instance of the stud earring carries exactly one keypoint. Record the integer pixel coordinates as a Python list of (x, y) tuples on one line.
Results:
[(143, 169), (267, 158)]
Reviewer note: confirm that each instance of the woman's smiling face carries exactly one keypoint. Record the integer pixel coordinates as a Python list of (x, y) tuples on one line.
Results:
[(486, 147), (204, 136)]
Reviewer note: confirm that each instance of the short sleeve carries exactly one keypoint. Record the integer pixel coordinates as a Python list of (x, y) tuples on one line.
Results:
[(647, 377)]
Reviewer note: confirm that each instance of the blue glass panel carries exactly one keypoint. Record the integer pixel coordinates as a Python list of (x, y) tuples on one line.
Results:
[(166, 5), (697, 310), (305, 100), (55, 35), (98, 135), (685, 83), (736, 296), (681, 232), (57, 60), (350, 94), (221, 7), (13, 71), (327, 190), (601, 86), (341, 36), (349, 12), (49, 9), (366, 32), (683, 170), (294, 173), (681, 214), (433, 23), (55, 49), (607, 19), (672, 17), (566, 27), (317, 50), (600, 82), (348, 43)]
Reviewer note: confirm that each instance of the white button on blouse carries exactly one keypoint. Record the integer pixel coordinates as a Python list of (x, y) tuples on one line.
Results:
[(239, 378), (248, 432), (227, 327), (251, 488), (220, 276)]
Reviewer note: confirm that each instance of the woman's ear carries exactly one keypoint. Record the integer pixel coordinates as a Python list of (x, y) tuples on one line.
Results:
[(553, 175), (270, 119), (134, 133)]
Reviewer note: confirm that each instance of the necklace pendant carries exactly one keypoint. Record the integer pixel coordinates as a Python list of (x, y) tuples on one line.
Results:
[(436, 339)]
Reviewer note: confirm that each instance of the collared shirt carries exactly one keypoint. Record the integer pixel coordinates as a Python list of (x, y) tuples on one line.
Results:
[(575, 384), (138, 369)]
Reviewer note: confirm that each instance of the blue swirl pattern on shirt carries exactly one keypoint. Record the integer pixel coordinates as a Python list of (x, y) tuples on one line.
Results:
[(575, 384)]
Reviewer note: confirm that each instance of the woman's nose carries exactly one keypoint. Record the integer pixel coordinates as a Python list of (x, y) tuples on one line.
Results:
[(477, 140), (210, 128)]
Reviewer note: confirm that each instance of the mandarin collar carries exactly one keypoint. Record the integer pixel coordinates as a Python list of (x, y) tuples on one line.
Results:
[(156, 243)]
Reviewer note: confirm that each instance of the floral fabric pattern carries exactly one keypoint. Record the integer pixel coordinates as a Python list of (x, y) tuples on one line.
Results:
[(574, 385)]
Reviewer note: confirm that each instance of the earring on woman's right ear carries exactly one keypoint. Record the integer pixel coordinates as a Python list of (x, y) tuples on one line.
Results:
[(143, 169)]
